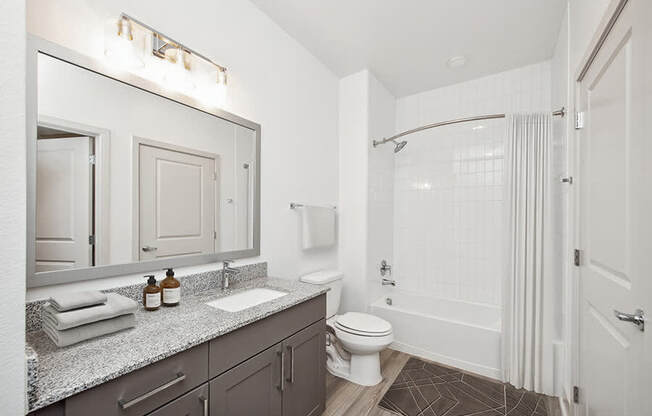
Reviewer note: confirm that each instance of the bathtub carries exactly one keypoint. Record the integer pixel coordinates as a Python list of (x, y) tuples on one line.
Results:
[(457, 333)]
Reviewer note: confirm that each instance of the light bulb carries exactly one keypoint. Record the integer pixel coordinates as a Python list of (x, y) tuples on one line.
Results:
[(221, 76), (119, 46), (178, 76)]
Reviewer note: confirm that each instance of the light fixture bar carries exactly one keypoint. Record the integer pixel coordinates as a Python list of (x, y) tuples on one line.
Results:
[(168, 40)]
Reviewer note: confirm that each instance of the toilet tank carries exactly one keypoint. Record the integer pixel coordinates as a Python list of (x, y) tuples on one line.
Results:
[(332, 279)]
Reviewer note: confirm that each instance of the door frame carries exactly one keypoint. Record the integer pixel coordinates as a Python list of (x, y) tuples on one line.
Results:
[(136, 142), (101, 194), (573, 298)]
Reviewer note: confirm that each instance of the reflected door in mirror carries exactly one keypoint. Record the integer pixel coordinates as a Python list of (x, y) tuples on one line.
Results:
[(177, 208), (63, 212)]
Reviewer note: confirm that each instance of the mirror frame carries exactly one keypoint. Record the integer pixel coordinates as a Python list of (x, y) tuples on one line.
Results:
[(36, 45)]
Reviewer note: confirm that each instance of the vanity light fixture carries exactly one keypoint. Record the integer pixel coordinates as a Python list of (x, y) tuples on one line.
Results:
[(161, 44)]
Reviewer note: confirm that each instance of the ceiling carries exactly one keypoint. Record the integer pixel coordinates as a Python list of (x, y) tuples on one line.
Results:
[(406, 43)]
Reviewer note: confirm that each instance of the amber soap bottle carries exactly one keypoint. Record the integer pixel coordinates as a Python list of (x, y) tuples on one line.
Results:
[(151, 294), (171, 289)]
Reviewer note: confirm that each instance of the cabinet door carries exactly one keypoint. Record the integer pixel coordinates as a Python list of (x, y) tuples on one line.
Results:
[(251, 388), (193, 403), (305, 382)]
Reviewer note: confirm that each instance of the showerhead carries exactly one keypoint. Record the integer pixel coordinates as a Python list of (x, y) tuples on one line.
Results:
[(399, 146)]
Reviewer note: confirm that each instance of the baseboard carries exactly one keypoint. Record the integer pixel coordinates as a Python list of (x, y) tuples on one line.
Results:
[(494, 373)]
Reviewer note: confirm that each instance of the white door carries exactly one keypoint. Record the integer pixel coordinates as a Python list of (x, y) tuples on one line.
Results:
[(63, 205), (616, 220), (177, 203)]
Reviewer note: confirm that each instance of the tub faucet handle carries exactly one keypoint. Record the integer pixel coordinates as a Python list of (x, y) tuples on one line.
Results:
[(389, 282), (385, 268)]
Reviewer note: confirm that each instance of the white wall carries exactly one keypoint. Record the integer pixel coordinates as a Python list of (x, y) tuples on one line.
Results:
[(560, 98), (352, 208), (272, 80), (12, 206), (380, 209), (367, 112), (448, 185)]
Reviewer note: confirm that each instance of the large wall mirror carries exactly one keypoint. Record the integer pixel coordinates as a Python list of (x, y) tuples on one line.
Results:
[(126, 177)]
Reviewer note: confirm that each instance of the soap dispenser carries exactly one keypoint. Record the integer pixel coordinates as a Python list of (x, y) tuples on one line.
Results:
[(151, 294), (171, 289)]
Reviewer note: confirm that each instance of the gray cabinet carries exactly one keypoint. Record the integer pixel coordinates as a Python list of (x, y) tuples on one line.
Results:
[(287, 379), (305, 390), (251, 388), (194, 403)]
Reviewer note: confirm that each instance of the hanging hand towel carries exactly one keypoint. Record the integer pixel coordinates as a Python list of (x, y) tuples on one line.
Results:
[(115, 305), (318, 227), (68, 301)]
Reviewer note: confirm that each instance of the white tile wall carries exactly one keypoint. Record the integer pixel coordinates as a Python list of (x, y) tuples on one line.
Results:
[(448, 195)]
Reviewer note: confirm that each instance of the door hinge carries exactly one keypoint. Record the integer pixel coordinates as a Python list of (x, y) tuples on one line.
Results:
[(576, 394), (577, 257), (214, 176), (91, 240), (214, 235), (579, 120), (91, 159)]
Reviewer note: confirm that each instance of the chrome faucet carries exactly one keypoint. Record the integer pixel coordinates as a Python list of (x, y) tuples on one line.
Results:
[(389, 282), (226, 270)]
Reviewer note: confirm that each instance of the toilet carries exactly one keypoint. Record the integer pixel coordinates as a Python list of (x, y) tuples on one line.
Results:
[(355, 339)]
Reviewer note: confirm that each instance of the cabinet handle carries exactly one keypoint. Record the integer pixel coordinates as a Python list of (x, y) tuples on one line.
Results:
[(291, 378), (282, 354), (204, 402), (127, 404)]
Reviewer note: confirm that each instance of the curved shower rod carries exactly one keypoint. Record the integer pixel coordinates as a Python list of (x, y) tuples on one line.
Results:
[(561, 112)]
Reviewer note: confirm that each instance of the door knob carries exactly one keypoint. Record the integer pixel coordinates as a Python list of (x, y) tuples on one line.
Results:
[(148, 248), (637, 318)]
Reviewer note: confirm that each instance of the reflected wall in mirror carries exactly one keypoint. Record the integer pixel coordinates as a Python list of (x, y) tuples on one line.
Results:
[(124, 175)]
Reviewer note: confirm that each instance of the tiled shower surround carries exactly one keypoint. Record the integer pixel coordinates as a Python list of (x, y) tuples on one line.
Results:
[(448, 185)]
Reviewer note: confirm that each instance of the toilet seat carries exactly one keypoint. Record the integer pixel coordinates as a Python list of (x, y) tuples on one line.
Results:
[(363, 324)]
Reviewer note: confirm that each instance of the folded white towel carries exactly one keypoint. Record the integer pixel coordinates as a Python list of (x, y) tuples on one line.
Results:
[(88, 331), (115, 305), (76, 300), (318, 227)]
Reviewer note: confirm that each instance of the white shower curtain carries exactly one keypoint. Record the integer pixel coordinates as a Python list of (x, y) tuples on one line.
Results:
[(527, 348)]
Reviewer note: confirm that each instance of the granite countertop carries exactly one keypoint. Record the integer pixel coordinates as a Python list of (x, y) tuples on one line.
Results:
[(63, 372)]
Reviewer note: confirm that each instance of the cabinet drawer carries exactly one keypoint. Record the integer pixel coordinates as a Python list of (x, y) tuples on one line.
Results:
[(194, 403), (229, 350), (146, 389)]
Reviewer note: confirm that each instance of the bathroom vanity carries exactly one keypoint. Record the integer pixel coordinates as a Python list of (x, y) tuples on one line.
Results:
[(265, 360)]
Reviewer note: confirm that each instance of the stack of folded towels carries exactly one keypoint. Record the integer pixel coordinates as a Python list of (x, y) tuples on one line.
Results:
[(75, 317)]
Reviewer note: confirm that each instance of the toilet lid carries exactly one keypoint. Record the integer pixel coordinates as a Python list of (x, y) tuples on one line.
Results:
[(363, 323)]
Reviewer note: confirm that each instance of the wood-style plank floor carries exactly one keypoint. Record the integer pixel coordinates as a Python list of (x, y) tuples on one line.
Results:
[(344, 398)]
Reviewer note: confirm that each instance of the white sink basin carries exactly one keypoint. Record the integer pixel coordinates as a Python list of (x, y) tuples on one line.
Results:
[(246, 299)]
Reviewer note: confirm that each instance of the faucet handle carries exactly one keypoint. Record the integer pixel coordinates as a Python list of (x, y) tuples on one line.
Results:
[(227, 262)]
